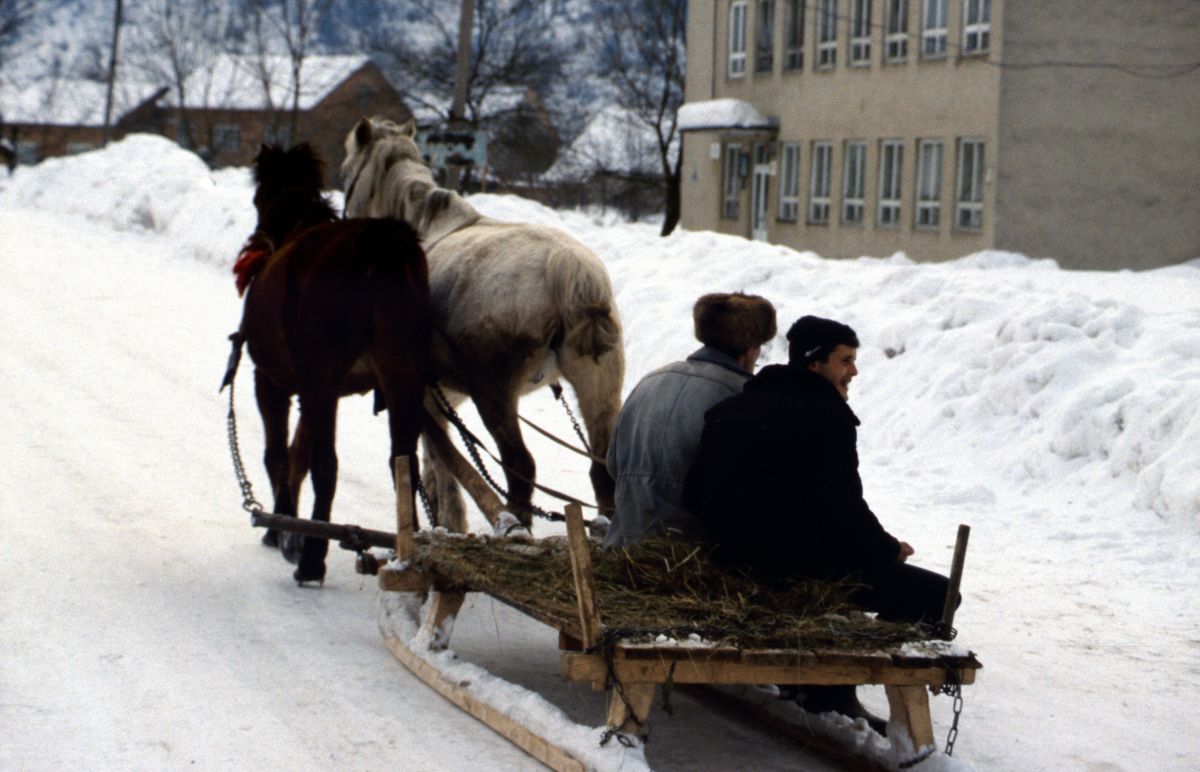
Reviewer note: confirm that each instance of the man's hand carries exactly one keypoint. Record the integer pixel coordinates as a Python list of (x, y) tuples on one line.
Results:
[(905, 550)]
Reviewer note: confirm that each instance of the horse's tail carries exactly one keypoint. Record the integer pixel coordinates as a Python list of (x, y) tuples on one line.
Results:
[(583, 293)]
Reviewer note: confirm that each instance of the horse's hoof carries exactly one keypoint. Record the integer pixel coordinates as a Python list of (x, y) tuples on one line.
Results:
[(305, 576), (271, 538), (291, 545)]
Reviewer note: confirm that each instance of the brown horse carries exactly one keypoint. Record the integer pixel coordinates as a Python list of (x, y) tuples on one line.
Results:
[(333, 307)]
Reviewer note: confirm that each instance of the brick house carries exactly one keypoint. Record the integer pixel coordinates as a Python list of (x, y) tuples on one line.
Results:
[(242, 102), (59, 116)]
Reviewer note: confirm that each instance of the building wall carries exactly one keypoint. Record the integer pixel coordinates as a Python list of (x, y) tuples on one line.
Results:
[(36, 142), (943, 98), (1101, 169)]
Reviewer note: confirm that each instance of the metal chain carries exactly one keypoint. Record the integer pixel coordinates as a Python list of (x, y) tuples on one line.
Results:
[(558, 394), (249, 503), (954, 690)]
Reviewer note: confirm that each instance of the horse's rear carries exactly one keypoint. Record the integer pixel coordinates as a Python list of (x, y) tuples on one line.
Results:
[(342, 301)]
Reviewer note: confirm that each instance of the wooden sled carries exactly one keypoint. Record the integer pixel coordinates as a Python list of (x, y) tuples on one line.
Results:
[(632, 672)]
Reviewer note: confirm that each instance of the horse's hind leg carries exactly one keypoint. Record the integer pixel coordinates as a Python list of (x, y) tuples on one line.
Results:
[(445, 496), (404, 411), (299, 458), (500, 417), (597, 386), (318, 414), (274, 405)]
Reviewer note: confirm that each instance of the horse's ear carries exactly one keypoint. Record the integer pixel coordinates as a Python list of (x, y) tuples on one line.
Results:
[(409, 128), (362, 132)]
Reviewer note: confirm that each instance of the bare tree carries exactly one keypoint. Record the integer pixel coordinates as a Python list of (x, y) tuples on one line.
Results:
[(288, 27), (644, 58), (14, 14), (173, 39)]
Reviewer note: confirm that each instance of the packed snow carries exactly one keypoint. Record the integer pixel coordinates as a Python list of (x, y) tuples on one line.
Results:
[(143, 626)]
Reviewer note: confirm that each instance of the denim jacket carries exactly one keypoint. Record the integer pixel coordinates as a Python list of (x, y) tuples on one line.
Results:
[(656, 440)]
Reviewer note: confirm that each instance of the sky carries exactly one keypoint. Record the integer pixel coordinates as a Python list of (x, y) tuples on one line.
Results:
[(144, 627)]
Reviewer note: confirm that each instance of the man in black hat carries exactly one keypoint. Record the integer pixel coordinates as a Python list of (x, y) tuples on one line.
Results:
[(655, 439), (777, 488)]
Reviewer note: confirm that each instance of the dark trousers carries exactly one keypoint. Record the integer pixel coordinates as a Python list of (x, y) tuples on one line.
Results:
[(900, 592)]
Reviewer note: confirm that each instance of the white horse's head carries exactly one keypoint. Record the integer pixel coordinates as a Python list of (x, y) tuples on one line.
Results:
[(384, 176)]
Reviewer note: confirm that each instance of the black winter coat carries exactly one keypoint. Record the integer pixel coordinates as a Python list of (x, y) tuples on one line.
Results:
[(776, 482)]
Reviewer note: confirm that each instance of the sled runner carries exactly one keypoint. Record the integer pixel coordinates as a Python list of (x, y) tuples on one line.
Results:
[(631, 670)]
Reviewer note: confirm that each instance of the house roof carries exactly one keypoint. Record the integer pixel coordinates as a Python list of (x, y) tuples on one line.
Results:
[(232, 82), (723, 114), (616, 141), (70, 101)]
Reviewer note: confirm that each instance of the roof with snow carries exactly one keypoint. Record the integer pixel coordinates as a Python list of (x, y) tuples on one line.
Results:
[(234, 82), (723, 114), (69, 101), (615, 140)]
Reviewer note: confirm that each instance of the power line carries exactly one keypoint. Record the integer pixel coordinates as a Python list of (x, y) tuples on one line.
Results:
[(1161, 71)]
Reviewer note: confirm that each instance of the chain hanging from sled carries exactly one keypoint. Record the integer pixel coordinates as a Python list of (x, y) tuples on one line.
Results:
[(249, 503)]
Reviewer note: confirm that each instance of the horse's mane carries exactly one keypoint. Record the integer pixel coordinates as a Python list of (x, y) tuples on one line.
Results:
[(297, 167)]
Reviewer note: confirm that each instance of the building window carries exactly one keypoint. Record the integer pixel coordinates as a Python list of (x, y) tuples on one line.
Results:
[(75, 148), (789, 184), (733, 184), (279, 135), (827, 34), (891, 164), (968, 214), (933, 29), (737, 39), (226, 137), (764, 51), (818, 196), (853, 182), (793, 55), (27, 152), (860, 32), (977, 22), (929, 183), (896, 40)]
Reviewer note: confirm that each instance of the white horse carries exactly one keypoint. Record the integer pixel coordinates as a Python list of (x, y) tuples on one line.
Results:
[(515, 306)]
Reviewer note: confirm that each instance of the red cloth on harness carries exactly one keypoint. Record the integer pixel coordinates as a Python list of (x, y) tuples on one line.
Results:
[(249, 262)]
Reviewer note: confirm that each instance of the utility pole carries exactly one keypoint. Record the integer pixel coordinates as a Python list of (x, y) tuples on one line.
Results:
[(462, 66), (112, 74)]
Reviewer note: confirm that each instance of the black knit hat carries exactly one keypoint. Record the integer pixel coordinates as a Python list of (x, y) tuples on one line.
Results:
[(813, 339), (733, 322)]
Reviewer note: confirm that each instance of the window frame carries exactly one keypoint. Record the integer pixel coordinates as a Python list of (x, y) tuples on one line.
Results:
[(976, 37), (888, 209), (820, 187), (938, 36), (928, 203), (860, 33), (827, 42), (789, 182), (736, 50), (731, 195), (854, 181), (226, 138), (895, 41), (793, 53), (969, 202), (764, 31)]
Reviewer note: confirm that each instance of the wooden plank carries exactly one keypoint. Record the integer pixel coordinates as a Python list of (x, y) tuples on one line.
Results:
[(629, 706), (540, 748), (579, 667), (910, 706), (404, 509), (474, 484), (956, 571), (585, 580), (408, 580)]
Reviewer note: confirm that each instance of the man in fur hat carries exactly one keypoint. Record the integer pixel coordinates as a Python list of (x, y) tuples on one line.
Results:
[(777, 488), (655, 440)]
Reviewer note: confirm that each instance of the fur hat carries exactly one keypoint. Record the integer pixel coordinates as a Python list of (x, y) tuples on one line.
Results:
[(813, 339), (733, 322)]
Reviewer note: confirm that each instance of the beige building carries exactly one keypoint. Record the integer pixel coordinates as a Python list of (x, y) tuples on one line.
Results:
[(1066, 129)]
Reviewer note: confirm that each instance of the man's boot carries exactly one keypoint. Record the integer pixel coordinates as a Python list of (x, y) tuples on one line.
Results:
[(839, 699)]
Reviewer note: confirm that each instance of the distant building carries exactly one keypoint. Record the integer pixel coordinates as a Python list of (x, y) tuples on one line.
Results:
[(239, 103), (61, 116), (1065, 129)]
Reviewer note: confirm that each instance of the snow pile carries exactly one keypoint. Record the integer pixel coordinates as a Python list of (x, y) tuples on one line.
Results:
[(721, 114)]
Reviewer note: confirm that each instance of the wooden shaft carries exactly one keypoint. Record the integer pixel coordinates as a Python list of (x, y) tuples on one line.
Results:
[(475, 486), (956, 570), (332, 531), (585, 580), (405, 548)]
